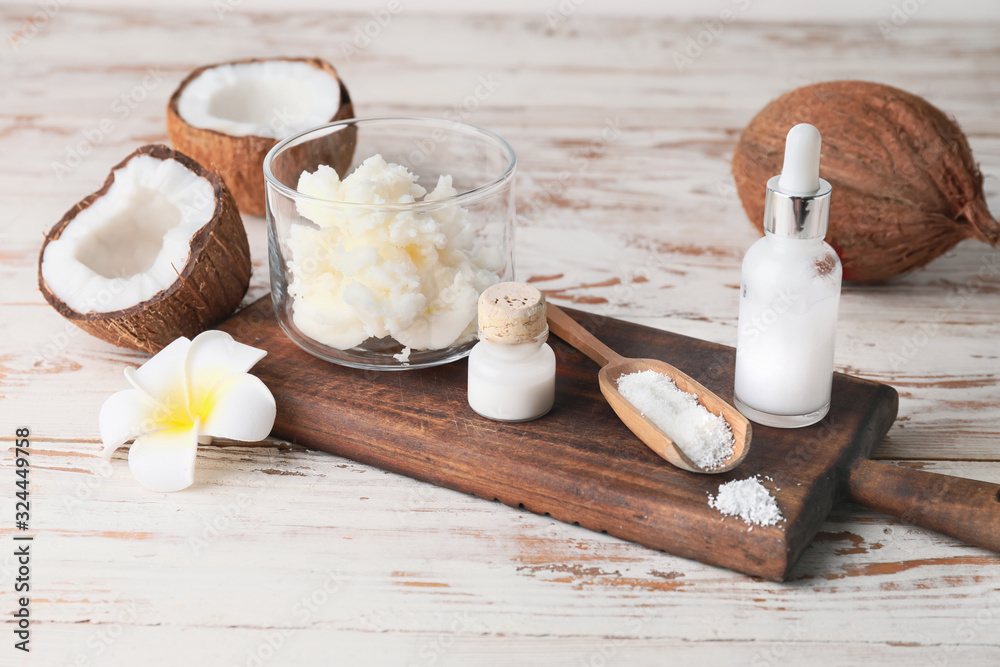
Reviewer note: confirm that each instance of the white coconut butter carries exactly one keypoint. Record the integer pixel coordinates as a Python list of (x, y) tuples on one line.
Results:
[(409, 269)]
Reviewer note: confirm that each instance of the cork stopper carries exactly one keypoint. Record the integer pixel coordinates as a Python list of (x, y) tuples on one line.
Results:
[(512, 313)]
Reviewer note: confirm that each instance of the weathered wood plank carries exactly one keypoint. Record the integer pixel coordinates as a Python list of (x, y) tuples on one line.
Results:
[(645, 228)]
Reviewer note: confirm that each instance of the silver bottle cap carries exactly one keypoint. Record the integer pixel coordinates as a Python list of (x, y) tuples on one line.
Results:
[(797, 215)]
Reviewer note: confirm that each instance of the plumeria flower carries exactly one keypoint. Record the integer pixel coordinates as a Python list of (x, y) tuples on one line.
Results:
[(190, 392)]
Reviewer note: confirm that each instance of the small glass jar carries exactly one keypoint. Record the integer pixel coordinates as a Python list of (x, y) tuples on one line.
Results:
[(389, 286), (512, 370)]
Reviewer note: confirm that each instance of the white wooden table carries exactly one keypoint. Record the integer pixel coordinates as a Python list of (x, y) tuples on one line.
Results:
[(284, 556)]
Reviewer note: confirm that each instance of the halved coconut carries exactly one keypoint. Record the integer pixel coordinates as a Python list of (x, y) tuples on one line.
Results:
[(158, 252), (228, 116)]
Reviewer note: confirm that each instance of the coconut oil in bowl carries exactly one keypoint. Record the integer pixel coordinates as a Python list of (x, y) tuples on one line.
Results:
[(383, 232)]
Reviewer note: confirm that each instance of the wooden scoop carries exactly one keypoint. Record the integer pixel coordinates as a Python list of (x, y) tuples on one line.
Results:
[(613, 366)]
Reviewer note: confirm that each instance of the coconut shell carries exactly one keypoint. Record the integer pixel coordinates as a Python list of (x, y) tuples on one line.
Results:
[(905, 186), (239, 160), (335, 150), (207, 290)]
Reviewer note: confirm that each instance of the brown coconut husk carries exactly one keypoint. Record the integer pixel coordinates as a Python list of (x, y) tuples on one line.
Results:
[(905, 186), (207, 290), (239, 160)]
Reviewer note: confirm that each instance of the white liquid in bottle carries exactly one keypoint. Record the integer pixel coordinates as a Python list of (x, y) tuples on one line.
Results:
[(789, 298)]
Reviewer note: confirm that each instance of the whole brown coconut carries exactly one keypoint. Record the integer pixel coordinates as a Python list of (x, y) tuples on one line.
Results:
[(905, 186), (238, 159), (207, 288)]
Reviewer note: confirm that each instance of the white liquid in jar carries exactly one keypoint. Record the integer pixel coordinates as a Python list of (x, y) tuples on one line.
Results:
[(512, 382)]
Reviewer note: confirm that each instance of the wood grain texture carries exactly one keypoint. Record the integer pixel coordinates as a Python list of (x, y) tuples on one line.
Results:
[(626, 208), (579, 464), (613, 366), (963, 508)]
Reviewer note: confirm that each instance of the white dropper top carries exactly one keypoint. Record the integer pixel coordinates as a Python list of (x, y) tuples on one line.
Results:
[(800, 173), (798, 200)]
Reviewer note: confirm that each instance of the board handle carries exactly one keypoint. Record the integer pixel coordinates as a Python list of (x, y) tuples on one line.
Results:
[(576, 335), (962, 508)]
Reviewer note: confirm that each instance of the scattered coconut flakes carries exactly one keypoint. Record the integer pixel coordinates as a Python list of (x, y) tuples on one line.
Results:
[(749, 500), (705, 437)]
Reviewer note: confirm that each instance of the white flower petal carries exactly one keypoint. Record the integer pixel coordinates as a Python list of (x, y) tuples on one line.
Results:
[(212, 356), (164, 461), (163, 378), (240, 408), (128, 414)]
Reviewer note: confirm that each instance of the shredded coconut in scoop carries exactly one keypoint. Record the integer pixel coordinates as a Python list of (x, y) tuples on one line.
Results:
[(749, 500), (704, 437)]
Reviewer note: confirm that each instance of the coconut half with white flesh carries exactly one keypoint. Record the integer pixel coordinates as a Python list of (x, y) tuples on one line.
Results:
[(159, 252), (229, 115)]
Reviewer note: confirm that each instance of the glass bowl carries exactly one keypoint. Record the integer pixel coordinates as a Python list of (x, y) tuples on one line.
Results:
[(388, 286)]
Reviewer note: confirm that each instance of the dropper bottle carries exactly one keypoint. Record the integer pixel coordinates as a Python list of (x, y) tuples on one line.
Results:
[(789, 297)]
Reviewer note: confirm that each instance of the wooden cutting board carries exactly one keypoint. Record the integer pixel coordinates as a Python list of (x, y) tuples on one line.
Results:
[(581, 465)]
